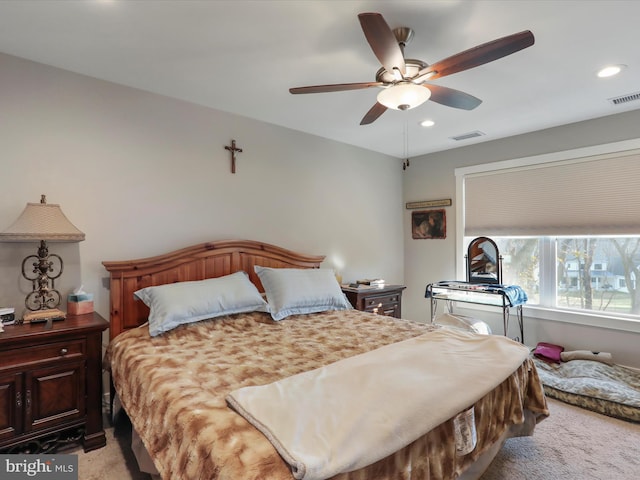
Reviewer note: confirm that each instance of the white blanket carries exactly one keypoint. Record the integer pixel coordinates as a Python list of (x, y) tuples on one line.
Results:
[(357, 411)]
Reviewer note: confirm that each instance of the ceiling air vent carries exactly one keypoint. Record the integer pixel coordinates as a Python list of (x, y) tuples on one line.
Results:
[(467, 136), (625, 98)]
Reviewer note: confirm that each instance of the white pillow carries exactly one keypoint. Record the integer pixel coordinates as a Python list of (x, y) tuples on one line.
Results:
[(292, 291), (174, 304)]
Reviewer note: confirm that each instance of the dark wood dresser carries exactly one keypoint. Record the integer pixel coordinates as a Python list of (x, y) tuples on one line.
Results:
[(51, 385), (384, 301)]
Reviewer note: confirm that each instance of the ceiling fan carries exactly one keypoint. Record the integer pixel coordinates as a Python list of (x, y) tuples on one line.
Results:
[(403, 80)]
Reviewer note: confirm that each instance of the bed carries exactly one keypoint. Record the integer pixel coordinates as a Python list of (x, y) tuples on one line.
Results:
[(177, 386)]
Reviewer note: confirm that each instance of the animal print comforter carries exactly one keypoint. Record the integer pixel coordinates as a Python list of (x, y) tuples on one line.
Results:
[(174, 386)]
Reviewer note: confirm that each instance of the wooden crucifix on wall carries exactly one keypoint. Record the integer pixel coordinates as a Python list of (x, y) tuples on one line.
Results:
[(233, 149)]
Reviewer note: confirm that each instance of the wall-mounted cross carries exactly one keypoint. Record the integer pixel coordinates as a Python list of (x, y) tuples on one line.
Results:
[(233, 149)]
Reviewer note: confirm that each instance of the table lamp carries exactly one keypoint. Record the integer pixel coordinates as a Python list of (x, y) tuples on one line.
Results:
[(42, 222)]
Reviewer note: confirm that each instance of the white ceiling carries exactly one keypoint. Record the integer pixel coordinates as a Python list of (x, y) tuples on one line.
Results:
[(242, 56)]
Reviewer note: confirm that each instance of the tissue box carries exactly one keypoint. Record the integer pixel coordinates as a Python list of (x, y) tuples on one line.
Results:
[(79, 303)]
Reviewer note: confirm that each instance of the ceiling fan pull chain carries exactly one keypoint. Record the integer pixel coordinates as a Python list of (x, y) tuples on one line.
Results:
[(405, 164)]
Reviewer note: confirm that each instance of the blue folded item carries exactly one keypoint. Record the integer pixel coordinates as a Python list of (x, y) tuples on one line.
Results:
[(514, 293)]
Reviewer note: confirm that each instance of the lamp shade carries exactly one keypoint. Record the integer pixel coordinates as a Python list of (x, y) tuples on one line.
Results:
[(42, 221), (404, 96)]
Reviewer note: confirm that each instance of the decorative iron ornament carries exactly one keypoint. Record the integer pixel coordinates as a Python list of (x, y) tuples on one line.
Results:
[(45, 267)]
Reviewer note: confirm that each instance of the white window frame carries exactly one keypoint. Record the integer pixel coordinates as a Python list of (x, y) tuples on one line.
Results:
[(547, 251)]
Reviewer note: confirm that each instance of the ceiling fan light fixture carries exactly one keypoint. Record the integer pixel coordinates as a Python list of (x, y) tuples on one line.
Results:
[(404, 96)]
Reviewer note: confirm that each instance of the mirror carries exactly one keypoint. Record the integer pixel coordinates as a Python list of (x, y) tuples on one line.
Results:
[(484, 262)]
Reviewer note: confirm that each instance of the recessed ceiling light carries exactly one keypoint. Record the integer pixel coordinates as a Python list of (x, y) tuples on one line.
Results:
[(427, 123), (610, 70)]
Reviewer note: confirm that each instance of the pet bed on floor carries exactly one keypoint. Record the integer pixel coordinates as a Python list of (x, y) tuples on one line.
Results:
[(612, 390)]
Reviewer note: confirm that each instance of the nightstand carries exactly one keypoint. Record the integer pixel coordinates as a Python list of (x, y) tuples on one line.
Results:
[(384, 301), (51, 385)]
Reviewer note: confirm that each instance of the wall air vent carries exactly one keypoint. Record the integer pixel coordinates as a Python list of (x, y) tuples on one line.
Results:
[(467, 136), (625, 98)]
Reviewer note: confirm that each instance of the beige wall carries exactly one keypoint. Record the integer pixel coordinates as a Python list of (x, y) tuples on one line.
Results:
[(143, 174), (432, 177)]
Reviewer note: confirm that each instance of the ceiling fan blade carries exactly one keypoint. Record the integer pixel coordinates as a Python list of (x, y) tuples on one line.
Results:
[(373, 114), (476, 56), (338, 87), (382, 41), (453, 98)]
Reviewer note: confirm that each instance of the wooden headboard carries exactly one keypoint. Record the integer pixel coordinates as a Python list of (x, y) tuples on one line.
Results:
[(199, 262)]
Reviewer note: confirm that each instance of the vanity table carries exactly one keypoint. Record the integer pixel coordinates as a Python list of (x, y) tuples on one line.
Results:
[(495, 295), (483, 285)]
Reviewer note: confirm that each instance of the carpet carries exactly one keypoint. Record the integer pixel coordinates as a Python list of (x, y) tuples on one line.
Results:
[(572, 444), (115, 460)]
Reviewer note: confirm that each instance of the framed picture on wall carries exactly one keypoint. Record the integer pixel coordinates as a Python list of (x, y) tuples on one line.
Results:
[(428, 224)]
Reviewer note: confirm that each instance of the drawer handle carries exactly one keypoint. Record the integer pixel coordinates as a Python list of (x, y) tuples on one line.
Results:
[(28, 401), (63, 351), (19, 400)]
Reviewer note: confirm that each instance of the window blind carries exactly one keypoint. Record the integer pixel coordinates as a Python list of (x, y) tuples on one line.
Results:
[(587, 196)]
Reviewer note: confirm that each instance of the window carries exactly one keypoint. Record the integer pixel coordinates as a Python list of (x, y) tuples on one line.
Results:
[(568, 228), (593, 274)]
